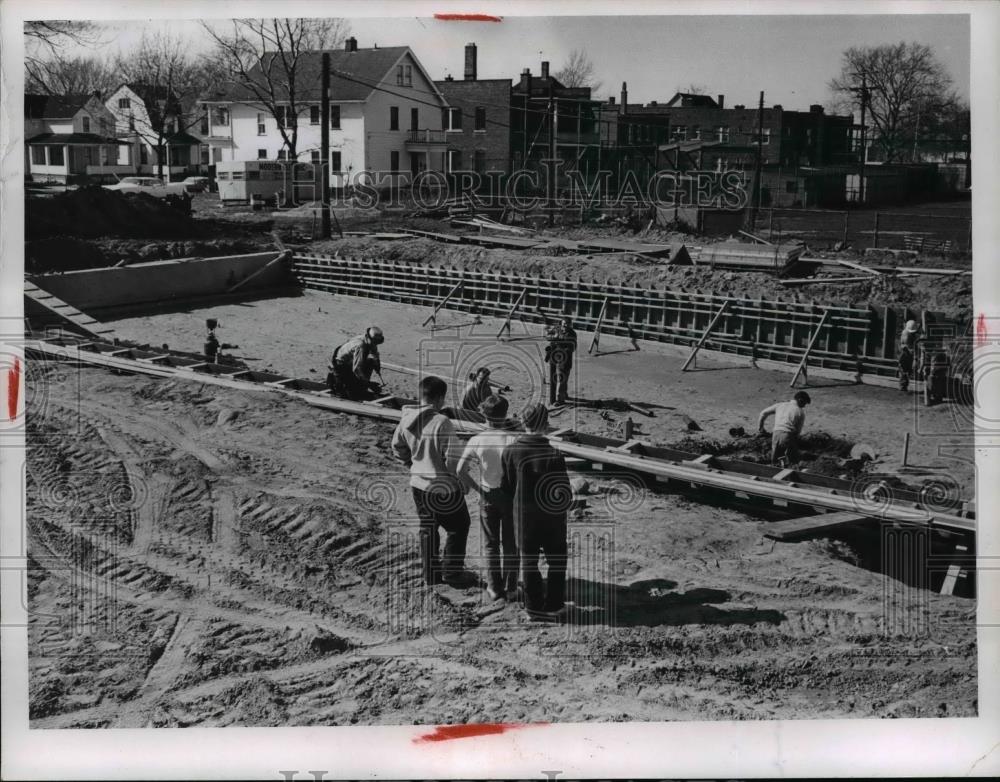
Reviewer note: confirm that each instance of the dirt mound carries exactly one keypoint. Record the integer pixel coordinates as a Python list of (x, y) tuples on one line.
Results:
[(97, 211)]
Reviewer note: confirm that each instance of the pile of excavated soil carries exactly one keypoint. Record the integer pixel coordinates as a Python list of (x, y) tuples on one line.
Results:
[(63, 253), (97, 211)]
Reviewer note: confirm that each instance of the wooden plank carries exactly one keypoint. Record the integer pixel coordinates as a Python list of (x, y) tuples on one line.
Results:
[(808, 526), (432, 318), (597, 330), (704, 336), (857, 266), (954, 572), (801, 369)]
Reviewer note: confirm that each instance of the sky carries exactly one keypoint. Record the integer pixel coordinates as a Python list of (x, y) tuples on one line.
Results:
[(790, 57)]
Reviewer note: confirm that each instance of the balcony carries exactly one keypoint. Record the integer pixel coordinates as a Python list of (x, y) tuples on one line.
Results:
[(427, 137)]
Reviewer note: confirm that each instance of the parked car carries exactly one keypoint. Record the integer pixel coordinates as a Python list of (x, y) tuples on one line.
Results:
[(196, 184), (149, 185)]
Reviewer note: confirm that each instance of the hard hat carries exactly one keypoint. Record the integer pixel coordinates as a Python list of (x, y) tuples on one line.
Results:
[(911, 325), (375, 334)]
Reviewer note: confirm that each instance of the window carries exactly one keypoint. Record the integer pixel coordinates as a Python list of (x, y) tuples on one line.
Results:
[(204, 154), (394, 118), (220, 116), (38, 156), (85, 124), (282, 154), (451, 119), (314, 115), (480, 118), (314, 156), (765, 136), (695, 133), (480, 160), (394, 161), (414, 118), (203, 129), (124, 103), (335, 117), (131, 122), (722, 134), (261, 126), (404, 75), (261, 154), (56, 157), (679, 133), (454, 160), (335, 161)]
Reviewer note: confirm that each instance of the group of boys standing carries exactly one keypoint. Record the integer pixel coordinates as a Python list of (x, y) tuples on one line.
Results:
[(524, 498)]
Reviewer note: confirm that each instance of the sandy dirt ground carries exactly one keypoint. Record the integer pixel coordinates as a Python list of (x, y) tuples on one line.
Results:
[(203, 556)]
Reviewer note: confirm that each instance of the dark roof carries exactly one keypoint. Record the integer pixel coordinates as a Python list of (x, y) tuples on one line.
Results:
[(73, 139), (691, 100), (181, 138), (54, 106), (149, 92), (362, 70)]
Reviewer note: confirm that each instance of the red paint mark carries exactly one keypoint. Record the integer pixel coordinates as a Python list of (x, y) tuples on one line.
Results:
[(468, 18), (449, 732), (981, 331), (13, 388)]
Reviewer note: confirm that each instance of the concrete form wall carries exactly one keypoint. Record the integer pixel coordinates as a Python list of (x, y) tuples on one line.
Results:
[(159, 282)]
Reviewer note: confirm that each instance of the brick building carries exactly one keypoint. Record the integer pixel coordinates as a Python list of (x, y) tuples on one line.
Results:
[(477, 122)]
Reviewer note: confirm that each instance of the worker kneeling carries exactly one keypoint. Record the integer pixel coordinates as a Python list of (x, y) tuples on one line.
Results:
[(352, 364), (788, 420)]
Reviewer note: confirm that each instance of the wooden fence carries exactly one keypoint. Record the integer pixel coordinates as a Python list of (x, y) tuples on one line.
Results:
[(854, 339)]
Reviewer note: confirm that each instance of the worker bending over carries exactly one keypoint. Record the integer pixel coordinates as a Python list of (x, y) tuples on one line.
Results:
[(477, 390), (426, 442), (788, 420), (485, 450), (352, 364), (534, 476)]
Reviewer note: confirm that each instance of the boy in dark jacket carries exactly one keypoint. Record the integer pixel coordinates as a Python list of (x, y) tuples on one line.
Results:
[(534, 475)]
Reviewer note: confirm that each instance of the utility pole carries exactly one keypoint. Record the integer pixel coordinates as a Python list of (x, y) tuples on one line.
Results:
[(324, 148), (758, 167), (550, 181), (864, 148)]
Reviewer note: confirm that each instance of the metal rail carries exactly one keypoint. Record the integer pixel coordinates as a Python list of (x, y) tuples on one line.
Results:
[(741, 480)]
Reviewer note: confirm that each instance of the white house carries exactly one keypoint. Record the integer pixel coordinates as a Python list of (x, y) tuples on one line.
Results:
[(385, 115), (70, 139), (143, 114)]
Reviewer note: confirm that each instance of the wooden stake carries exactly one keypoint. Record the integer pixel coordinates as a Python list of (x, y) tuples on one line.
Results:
[(801, 369), (906, 448), (597, 331), (433, 316), (708, 331), (506, 322)]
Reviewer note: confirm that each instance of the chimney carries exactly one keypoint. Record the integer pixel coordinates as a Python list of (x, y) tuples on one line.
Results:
[(611, 101), (721, 101), (816, 109), (351, 44), (525, 84), (624, 95), (652, 103), (545, 69), (470, 62)]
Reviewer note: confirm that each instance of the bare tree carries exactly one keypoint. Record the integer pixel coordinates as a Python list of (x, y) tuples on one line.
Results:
[(693, 89), (265, 58), (167, 78), (74, 75), (45, 43), (578, 72), (899, 79)]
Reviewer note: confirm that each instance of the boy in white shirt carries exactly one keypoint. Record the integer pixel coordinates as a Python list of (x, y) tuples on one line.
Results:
[(495, 510), (788, 420)]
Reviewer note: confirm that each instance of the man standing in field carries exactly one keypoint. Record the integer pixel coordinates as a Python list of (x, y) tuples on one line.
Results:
[(907, 353), (788, 420), (559, 356), (426, 442), (495, 509), (534, 475)]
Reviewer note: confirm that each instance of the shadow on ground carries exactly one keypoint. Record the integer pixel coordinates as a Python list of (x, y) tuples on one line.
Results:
[(653, 603)]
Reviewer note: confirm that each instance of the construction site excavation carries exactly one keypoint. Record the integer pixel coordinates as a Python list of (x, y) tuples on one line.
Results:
[(368, 378), (229, 526)]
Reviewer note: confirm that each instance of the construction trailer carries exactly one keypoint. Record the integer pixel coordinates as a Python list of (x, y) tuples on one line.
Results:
[(251, 180)]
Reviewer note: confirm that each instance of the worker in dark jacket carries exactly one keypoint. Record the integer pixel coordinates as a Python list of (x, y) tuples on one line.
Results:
[(559, 356), (477, 390), (352, 364), (534, 476)]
